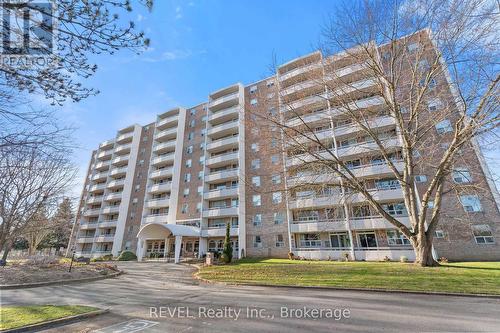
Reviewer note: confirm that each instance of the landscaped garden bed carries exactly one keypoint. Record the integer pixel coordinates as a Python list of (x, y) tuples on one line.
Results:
[(463, 277), (48, 269)]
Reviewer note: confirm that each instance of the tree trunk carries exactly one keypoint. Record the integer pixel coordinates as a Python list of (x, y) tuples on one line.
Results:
[(423, 253), (5, 252)]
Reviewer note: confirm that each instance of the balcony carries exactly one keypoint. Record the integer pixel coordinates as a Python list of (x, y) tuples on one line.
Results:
[(123, 149), (164, 146), (223, 144), (87, 225), (157, 203), (393, 193), (165, 172), (345, 71), (167, 134), (125, 137), (113, 196), (158, 218), (92, 212), (116, 183), (229, 174), (111, 209), (221, 211), (298, 71), (167, 121), (376, 222), (100, 176), (94, 199), (222, 193), (363, 148), (315, 201), (306, 226), (103, 238), (163, 159), (85, 239), (222, 159), (100, 166), (97, 187), (227, 128), (380, 123), (108, 223), (310, 101), (357, 86), (107, 144), (118, 171), (219, 231), (105, 154), (224, 101), (223, 115), (120, 159), (158, 188)]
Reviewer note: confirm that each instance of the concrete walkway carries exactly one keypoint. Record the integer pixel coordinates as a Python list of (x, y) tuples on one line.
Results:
[(182, 304)]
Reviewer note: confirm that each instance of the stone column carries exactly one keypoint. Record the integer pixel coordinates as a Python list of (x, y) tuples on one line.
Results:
[(203, 246), (178, 243)]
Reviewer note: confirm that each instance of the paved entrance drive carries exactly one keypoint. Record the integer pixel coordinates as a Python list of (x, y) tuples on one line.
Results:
[(161, 297)]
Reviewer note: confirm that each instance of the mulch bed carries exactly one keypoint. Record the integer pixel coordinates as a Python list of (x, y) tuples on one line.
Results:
[(17, 273)]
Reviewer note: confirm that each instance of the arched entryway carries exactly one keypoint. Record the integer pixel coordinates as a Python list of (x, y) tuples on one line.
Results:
[(159, 232)]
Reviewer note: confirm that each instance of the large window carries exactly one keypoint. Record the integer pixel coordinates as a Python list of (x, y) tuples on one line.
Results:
[(444, 126), (310, 240), (461, 175), (340, 240), (279, 218), (256, 200), (396, 209), (387, 184), (483, 234), (257, 241), (279, 241), (395, 237), (367, 239), (257, 219)]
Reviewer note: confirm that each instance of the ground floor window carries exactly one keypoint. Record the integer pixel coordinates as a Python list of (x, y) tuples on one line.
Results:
[(367, 239), (483, 234), (279, 241), (340, 240), (310, 240), (395, 237)]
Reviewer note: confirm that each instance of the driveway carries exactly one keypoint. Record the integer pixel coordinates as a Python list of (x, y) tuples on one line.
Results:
[(160, 297)]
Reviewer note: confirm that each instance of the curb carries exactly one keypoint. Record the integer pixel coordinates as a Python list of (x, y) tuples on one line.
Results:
[(50, 323), (399, 291), (58, 282)]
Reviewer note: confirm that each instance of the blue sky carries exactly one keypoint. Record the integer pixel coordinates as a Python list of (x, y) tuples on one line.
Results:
[(197, 47)]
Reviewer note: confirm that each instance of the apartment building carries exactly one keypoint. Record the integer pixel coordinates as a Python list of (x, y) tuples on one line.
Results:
[(170, 188)]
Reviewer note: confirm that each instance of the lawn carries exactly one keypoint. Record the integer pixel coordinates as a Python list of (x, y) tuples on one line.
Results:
[(463, 277), (19, 316)]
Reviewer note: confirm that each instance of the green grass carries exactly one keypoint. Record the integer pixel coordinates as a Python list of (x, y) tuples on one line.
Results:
[(19, 316), (463, 277)]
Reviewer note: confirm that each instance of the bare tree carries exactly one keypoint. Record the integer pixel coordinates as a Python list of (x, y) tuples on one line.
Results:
[(31, 179), (413, 85), (37, 229)]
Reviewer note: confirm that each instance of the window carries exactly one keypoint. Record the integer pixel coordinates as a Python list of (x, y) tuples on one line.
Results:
[(270, 95), (257, 219), (471, 203), (256, 200), (200, 190), (192, 123), (279, 218), (412, 47), (201, 160), (253, 89), (432, 84), (184, 208), (198, 207), (276, 179), (279, 241), (439, 234), (255, 131), (367, 239), (192, 112), (421, 178), (277, 197), (444, 126), (255, 164), (274, 142), (253, 101), (340, 240), (203, 132), (272, 111), (189, 150), (482, 234), (256, 181), (423, 65), (275, 159), (434, 104), (188, 163), (187, 177), (200, 174), (255, 147), (395, 237), (202, 146), (310, 240), (461, 175), (403, 109), (270, 83), (190, 135), (395, 209), (204, 119), (257, 241), (186, 192)]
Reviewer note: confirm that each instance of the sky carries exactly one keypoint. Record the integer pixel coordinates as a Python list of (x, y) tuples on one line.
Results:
[(197, 46)]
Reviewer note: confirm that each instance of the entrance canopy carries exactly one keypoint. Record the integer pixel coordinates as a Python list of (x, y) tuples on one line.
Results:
[(160, 230)]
